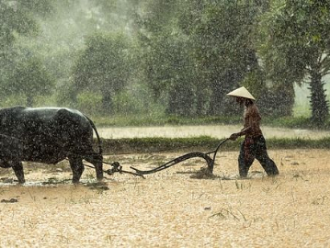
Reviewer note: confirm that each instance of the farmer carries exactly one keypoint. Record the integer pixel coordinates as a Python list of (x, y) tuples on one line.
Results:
[(254, 144)]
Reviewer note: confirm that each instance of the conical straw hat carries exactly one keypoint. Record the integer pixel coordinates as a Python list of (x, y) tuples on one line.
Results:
[(241, 92)]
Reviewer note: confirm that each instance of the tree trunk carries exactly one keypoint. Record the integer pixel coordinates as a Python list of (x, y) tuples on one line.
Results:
[(107, 103), (217, 98), (181, 101), (201, 100), (319, 104)]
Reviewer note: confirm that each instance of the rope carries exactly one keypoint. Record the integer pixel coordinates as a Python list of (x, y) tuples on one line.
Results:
[(116, 167)]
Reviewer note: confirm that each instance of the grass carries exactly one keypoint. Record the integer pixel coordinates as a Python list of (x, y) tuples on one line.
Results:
[(203, 143), (294, 122), (163, 120)]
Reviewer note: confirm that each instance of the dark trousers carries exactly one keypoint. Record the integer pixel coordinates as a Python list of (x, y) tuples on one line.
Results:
[(252, 148)]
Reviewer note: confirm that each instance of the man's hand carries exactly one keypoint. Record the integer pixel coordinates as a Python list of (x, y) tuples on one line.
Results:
[(234, 136)]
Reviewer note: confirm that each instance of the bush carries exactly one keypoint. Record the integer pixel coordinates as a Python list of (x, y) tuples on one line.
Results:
[(89, 102)]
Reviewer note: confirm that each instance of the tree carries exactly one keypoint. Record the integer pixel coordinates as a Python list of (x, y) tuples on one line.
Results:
[(13, 20), (180, 81), (170, 73), (29, 79), (220, 34), (103, 67), (296, 45), (18, 18), (168, 67)]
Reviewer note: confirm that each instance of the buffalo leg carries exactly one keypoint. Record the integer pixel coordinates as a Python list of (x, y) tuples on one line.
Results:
[(18, 169), (97, 161), (99, 169), (77, 168)]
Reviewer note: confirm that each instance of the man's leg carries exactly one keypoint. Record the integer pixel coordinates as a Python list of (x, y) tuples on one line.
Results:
[(265, 161), (246, 157)]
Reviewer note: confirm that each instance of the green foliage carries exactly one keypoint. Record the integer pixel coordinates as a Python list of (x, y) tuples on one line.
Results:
[(167, 64), (29, 79), (277, 100), (294, 122), (17, 18), (89, 102), (295, 44), (136, 100), (165, 60), (222, 49), (14, 19), (179, 80), (102, 67), (21, 76), (196, 52)]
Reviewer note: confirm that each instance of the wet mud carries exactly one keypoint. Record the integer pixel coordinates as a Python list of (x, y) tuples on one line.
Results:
[(169, 208)]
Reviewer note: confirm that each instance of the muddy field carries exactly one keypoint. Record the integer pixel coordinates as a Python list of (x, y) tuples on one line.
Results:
[(170, 209)]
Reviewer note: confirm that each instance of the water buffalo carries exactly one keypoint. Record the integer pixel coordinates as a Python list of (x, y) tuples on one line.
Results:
[(48, 135)]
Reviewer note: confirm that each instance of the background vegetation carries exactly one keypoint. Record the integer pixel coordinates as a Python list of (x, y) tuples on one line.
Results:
[(204, 144), (167, 61)]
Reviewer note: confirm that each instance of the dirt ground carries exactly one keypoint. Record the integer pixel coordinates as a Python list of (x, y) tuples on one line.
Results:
[(169, 208)]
